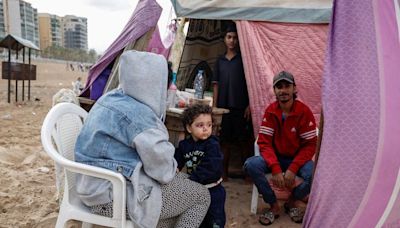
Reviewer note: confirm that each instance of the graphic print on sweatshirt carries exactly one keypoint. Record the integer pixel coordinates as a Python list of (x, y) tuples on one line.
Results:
[(193, 159)]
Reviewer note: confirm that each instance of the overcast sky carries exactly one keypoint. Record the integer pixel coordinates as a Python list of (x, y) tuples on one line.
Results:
[(106, 18)]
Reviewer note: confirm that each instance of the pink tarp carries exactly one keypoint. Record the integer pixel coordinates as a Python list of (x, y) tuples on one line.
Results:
[(357, 180), (268, 48), (162, 47)]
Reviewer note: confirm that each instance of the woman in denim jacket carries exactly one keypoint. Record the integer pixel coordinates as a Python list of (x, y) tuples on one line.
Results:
[(124, 132)]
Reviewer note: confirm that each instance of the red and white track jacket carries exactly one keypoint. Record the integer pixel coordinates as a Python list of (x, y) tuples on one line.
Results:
[(296, 137)]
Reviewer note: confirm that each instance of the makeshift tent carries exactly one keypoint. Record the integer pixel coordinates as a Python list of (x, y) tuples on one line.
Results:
[(357, 180), (302, 11), (267, 47), (137, 34), (143, 21)]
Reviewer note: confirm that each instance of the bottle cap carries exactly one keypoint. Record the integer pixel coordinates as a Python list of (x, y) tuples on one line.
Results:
[(174, 77)]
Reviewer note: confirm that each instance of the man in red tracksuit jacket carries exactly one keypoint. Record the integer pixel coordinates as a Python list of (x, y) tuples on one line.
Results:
[(287, 141)]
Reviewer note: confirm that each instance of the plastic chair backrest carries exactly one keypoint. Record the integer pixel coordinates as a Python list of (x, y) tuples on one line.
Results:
[(68, 128)]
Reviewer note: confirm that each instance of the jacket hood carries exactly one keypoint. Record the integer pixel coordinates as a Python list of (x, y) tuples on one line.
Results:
[(143, 76)]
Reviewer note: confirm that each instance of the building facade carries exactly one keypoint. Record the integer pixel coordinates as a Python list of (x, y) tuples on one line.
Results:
[(29, 22), (75, 32), (2, 21), (20, 19), (50, 30)]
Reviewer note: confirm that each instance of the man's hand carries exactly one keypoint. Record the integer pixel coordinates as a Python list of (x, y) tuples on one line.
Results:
[(289, 178), (278, 180), (247, 113)]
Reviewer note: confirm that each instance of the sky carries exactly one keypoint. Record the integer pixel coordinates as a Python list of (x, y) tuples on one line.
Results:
[(106, 18)]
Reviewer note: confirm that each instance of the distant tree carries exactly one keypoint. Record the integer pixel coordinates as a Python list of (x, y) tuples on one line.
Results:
[(93, 56), (77, 55)]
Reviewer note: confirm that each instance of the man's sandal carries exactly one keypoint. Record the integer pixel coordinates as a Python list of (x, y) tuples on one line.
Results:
[(295, 213), (267, 218)]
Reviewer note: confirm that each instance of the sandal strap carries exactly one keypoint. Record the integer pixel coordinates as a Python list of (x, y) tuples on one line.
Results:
[(268, 215), (296, 214)]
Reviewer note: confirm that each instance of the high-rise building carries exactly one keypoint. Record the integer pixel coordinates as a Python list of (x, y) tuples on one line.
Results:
[(50, 30), (21, 19), (29, 22), (75, 32), (2, 22)]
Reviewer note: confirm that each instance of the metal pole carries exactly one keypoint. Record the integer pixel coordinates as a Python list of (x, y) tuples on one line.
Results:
[(29, 76), (9, 73), (23, 76), (16, 80)]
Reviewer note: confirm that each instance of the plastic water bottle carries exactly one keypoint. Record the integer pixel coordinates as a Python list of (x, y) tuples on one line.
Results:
[(171, 93), (198, 85)]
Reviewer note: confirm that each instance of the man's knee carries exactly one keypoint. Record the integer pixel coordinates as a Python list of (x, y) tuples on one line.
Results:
[(248, 163), (306, 171), (254, 164)]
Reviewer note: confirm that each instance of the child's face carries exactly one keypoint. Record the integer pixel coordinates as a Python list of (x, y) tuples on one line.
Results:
[(201, 127)]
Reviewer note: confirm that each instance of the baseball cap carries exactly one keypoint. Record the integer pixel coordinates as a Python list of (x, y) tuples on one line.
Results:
[(283, 75)]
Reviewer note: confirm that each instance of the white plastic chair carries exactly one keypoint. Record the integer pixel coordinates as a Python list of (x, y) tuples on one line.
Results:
[(255, 195), (59, 133)]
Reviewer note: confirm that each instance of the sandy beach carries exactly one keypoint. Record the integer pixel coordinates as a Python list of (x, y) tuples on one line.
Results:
[(27, 175)]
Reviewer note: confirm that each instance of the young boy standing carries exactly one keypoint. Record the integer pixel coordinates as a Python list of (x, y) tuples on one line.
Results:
[(230, 92), (201, 155)]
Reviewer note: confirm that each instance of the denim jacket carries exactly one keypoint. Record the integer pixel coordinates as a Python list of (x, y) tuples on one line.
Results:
[(124, 132), (109, 143)]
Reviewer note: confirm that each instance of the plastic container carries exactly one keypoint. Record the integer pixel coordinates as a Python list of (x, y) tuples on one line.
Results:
[(171, 93)]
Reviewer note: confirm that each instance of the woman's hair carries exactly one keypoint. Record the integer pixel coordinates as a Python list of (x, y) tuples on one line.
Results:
[(192, 112)]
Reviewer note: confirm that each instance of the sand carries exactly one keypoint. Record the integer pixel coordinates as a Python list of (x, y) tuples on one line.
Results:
[(27, 175)]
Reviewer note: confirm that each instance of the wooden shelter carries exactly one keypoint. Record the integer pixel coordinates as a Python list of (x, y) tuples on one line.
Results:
[(16, 70)]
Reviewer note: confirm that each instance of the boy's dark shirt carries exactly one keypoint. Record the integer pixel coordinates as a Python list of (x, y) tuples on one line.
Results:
[(203, 159), (232, 88)]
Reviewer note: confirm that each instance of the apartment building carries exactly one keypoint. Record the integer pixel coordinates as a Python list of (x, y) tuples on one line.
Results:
[(75, 32), (2, 23), (29, 22), (19, 18), (50, 30)]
